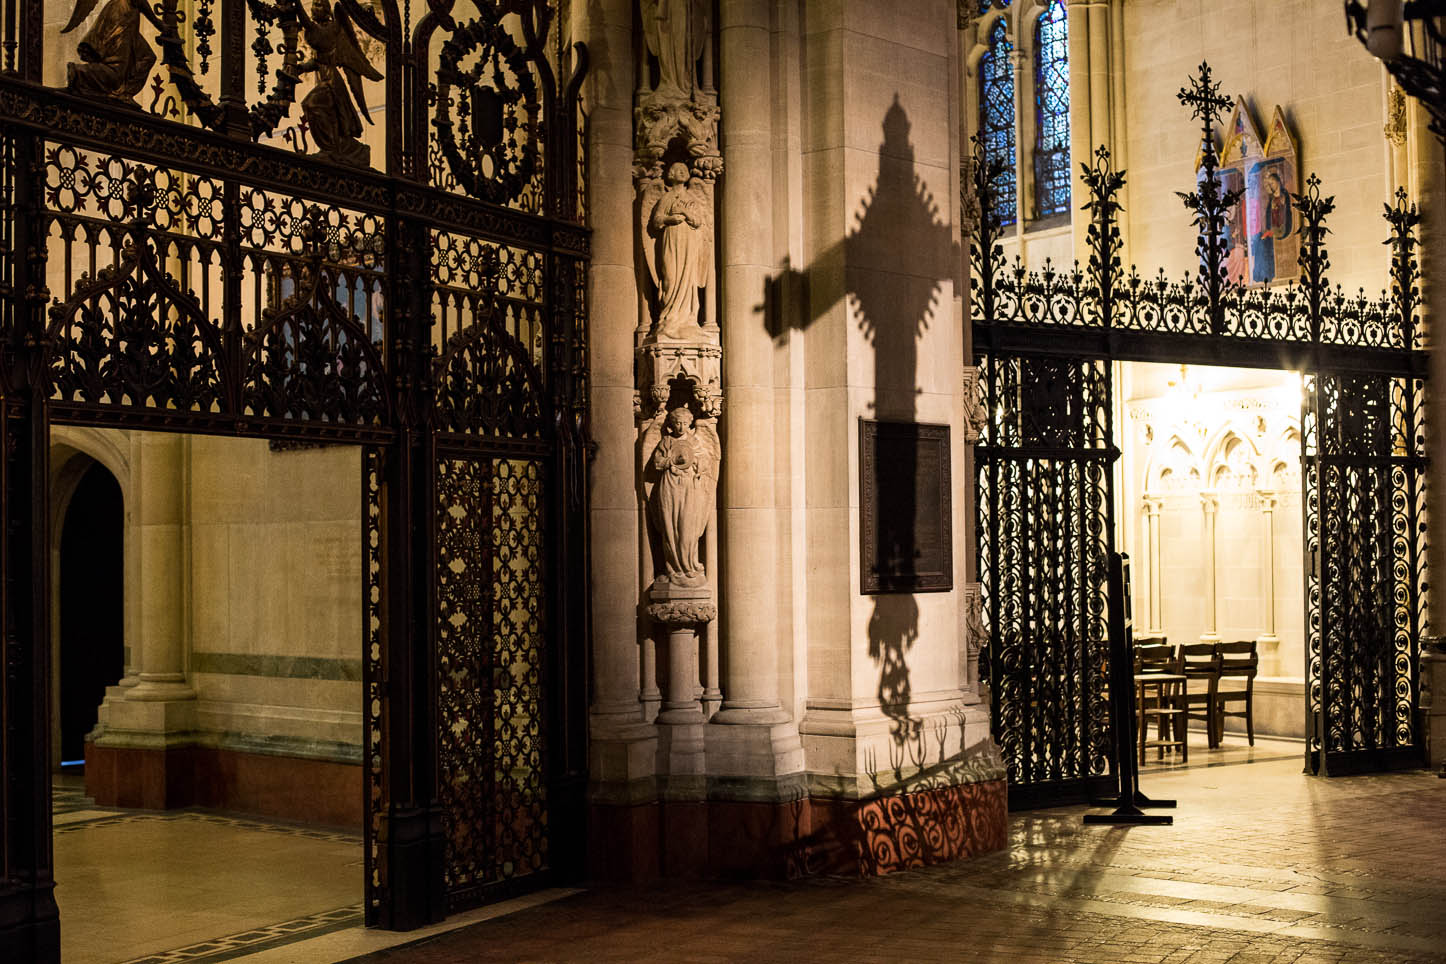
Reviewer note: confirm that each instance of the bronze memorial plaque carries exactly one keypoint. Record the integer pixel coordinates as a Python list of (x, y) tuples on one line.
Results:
[(906, 534)]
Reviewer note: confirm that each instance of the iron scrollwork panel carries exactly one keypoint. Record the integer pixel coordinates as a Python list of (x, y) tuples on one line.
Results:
[(1045, 532), (490, 650), (199, 303), (1366, 530)]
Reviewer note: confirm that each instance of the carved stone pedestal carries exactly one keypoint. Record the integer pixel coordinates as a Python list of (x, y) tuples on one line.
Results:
[(681, 610)]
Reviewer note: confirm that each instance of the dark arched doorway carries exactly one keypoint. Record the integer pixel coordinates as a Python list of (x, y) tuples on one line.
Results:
[(91, 607)]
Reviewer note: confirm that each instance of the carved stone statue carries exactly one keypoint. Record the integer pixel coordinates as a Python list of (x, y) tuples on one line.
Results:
[(686, 464), (681, 252), (340, 65), (115, 59), (677, 33)]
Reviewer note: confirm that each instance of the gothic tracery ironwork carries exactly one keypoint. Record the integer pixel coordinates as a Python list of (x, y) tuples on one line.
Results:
[(376, 239), (1042, 521)]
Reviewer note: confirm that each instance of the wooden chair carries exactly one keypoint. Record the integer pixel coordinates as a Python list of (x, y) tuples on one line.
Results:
[(1200, 663), (1164, 707), (1238, 661)]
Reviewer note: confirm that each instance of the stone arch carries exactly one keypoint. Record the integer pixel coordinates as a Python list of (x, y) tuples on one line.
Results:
[(74, 450), (1232, 447), (1285, 456), (1172, 465), (979, 43)]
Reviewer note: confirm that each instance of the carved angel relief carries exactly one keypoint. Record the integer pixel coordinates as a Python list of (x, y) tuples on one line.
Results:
[(339, 64), (115, 60), (681, 480)]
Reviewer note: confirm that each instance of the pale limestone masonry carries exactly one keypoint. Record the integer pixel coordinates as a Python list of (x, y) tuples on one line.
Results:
[(242, 593)]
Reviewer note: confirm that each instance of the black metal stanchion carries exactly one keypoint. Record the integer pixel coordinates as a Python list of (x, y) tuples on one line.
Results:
[(1130, 800)]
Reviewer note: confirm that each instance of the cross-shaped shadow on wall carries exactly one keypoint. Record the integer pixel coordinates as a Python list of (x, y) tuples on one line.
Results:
[(890, 267)]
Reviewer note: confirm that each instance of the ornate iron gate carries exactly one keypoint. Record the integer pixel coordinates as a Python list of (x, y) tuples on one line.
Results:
[(1365, 513), (1044, 466), (184, 249), (1044, 342)]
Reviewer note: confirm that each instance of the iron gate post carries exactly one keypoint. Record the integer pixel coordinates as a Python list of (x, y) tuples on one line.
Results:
[(29, 918), (413, 825)]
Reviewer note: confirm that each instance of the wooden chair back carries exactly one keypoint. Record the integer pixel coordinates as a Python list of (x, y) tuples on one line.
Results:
[(1199, 660), (1238, 659), (1155, 658)]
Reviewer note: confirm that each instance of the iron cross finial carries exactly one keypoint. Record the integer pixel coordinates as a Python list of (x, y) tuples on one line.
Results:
[(1204, 99)]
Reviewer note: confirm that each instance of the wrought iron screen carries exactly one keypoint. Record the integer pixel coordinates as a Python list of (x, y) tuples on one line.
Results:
[(1045, 531), (1365, 511), (1364, 454), (352, 222)]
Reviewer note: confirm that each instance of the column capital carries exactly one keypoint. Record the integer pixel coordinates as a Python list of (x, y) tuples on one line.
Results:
[(1152, 503), (1267, 499), (1209, 500)]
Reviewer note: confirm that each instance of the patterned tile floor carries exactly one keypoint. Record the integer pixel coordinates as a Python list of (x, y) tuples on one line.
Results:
[(194, 886), (1262, 866)]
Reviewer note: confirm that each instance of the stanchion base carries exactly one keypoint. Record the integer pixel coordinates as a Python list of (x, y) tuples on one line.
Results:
[(1131, 816), (1140, 801)]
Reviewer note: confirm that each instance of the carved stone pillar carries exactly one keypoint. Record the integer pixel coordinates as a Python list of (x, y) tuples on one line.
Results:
[(976, 412), (679, 395), (1210, 504), (1154, 604)]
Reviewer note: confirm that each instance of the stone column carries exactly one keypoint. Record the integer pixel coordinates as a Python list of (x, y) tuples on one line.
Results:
[(622, 743), (161, 531), (1155, 615), (1023, 143), (748, 515), (1081, 137), (1210, 503), (613, 304), (1267, 513)]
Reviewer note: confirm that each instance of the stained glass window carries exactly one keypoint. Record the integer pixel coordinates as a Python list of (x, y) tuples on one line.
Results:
[(1051, 98), (996, 117)]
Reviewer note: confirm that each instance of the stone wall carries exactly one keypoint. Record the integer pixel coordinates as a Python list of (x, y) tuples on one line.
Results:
[(1292, 53), (243, 626)]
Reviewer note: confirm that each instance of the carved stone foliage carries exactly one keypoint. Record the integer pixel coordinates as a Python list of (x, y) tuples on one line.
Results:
[(663, 367)]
